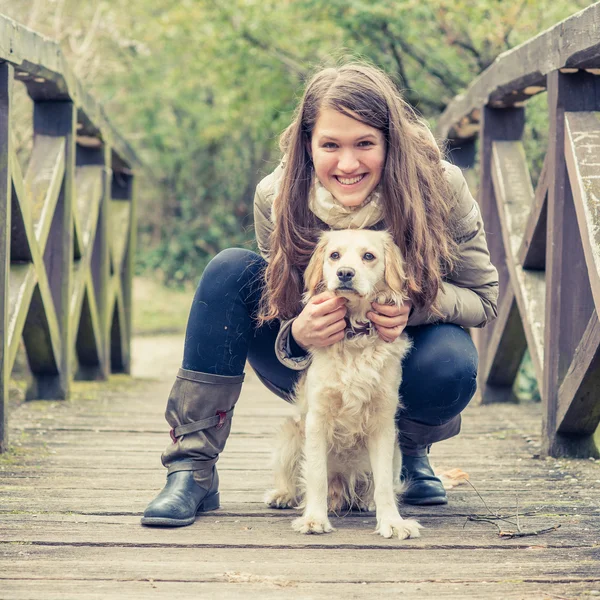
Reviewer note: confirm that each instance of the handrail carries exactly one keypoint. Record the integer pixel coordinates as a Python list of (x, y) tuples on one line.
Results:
[(521, 72), (43, 68)]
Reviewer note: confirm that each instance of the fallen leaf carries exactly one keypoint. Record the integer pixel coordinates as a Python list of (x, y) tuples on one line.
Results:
[(450, 479)]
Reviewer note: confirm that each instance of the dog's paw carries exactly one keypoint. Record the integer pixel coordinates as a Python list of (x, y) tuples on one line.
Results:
[(279, 499), (400, 528), (308, 524)]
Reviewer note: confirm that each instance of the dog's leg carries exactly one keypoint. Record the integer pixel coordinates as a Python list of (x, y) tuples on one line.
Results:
[(314, 519), (288, 456), (399, 486), (381, 452)]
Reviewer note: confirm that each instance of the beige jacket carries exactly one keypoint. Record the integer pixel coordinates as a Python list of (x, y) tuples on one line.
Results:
[(469, 295)]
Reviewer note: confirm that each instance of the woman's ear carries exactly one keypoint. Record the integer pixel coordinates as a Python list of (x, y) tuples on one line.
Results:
[(394, 275), (313, 276)]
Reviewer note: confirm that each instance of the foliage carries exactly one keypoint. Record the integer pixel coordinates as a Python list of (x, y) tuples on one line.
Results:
[(204, 87)]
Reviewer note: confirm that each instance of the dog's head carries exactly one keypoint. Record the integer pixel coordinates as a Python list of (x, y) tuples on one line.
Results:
[(356, 263)]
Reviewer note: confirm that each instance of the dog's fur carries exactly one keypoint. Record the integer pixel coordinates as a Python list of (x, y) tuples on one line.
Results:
[(341, 452)]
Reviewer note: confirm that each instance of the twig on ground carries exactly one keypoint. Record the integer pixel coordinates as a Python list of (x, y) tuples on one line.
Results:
[(494, 516)]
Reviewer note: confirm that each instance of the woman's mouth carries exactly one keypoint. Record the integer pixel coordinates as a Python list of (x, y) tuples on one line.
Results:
[(349, 181)]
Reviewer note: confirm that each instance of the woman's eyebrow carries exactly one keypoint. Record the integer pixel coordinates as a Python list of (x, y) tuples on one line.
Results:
[(333, 138)]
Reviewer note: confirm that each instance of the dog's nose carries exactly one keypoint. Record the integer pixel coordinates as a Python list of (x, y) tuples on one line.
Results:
[(345, 274)]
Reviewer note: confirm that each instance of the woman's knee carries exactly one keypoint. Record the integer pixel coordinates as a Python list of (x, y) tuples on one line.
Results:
[(230, 269), (445, 357)]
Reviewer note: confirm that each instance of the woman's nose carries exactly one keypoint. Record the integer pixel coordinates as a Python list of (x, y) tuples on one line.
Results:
[(348, 162)]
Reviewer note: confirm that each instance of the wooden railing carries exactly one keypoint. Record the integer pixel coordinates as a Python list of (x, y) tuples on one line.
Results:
[(544, 242), (67, 235)]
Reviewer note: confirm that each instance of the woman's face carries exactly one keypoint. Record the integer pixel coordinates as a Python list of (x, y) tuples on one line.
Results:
[(348, 156)]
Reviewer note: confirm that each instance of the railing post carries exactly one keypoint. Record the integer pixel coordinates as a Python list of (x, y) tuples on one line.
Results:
[(92, 261), (502, 344), (566, 270), (6, 79), (56, 119), (123, 214)]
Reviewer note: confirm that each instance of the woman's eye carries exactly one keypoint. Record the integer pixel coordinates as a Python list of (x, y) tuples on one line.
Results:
[(365, 143), (368, 256), (329, 145), (334, 256)]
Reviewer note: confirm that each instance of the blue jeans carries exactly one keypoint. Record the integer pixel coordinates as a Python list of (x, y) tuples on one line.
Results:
[(439, 374)]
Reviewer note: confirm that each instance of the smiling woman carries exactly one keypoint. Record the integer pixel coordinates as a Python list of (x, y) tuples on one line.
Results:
[(355, 157)]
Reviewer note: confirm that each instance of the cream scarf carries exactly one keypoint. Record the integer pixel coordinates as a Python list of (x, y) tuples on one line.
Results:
[(324, 206)]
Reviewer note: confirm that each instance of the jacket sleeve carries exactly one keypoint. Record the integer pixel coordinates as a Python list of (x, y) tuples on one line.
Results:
[(469, 295), (263, 227), (262, 221)]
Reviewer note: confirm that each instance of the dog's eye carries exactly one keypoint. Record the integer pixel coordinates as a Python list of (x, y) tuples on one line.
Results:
[(334, 256), (368, 256)]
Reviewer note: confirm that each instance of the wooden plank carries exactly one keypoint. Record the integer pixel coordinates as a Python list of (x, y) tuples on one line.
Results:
[(318, 565), (120, 226), (513, 191), (43, 182), (6, 78), (582, 153), (498, 125), (566, 318), (272, 532), (578, 406), (506, 348), (124, 188), (532, 254), (515, 197), (89, 188), (521, 72), (240, 584)]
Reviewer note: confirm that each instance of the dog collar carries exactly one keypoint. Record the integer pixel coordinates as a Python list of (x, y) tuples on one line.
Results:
[(361, 328)]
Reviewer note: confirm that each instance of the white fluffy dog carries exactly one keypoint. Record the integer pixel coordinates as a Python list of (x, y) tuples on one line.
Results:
[(341, 451)]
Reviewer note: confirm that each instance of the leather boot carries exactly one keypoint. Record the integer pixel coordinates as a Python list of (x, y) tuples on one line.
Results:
[(415, 438), (199, 411), (424, 487)]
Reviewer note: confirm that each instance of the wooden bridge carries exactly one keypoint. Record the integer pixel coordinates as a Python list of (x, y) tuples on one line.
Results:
[(78, 474)]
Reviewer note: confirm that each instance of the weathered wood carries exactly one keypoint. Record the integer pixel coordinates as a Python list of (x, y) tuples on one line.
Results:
[(505, 347), (582, 153), (72, 497), (578, 406), (498, 125), (532, 253), (123, 208), (6, 78), (48, 77), (521, 72), (566, 271), (514, 196)]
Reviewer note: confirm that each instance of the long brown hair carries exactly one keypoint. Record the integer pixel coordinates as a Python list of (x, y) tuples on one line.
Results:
[(415, 194)]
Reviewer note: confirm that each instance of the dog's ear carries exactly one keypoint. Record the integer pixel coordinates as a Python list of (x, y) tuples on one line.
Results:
[(313, 276), (394, 268)]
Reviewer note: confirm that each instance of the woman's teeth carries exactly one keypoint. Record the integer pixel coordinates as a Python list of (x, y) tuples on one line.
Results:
[(351, 181)]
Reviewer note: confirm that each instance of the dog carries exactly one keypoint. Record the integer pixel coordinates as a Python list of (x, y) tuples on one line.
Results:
[(341, 452)]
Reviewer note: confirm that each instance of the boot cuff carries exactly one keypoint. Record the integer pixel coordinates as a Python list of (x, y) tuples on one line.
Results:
[(210, 378), (414, 437)]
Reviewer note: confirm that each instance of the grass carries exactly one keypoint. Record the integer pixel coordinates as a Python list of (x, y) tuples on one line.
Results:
[(158, 309)]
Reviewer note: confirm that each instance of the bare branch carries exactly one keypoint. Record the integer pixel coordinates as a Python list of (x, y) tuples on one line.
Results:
[(291, 63)]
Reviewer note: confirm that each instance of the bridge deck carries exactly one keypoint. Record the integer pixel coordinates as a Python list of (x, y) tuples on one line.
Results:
[(72, 495)]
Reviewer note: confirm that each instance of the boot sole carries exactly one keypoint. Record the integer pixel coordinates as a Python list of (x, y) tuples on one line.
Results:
[(209, 503), (425, 501)]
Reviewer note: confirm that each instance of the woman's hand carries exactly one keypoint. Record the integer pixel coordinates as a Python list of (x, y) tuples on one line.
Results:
[(389, 319), (321, 322)]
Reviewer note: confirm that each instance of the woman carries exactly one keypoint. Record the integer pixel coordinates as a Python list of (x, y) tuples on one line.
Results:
[(355, 156)]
